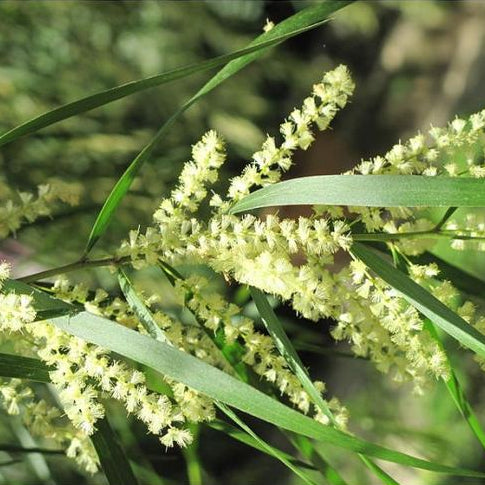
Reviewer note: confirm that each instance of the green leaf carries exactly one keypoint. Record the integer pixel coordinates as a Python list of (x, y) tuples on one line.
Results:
[(445, 218), (248, 440), (452, 383), (48, 307), (145, 316), (111, 455), (318, 349), (139, 308), (461, 279), (305, 19), (192, 458), (464, 281), (286, 349), (22, 449), (457, 393), (422, 300), (222, 387), (232, 354), (107, 96), (369, 191), (309, 451), (268, 449), (16, 366), (378, 471)]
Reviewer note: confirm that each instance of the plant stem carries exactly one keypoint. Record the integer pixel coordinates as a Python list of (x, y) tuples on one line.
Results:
[(444, 219), (317, 349), (389, 237), (81, 264), (192, 462), (378, 236)]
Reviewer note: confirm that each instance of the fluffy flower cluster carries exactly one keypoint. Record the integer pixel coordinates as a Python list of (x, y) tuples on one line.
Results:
[(87, 371), (258, 351), (456, 150), (319, 109), (253, 251), (384, 327), (28, 207), (43, 420), (295, 259), (85, 374)]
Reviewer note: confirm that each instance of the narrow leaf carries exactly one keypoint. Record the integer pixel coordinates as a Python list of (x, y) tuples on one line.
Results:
[(192, 458), (452, 383), (107, 96), (286, 349), (318, 349), (457, 393), (16, 366), (222, 387), (248, 440), (309, 451), (34, 369), (48, 307), (22, 449), (369, 191), (379, 472), (111, 455), (446, 216), (305, 19), (461, 279), (139, 308), (145, 316), (423, 300), (269, 449)]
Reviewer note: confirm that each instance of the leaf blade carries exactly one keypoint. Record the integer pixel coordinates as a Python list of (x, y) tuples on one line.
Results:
[(107, 96), (457, 392), (286, 349), (139, 308), (369, 191), (155, 332), (265, 446), (248, 440), (311, 16), (222, 387), (112, 457), (463, 280), (16, 366), (422, 300)]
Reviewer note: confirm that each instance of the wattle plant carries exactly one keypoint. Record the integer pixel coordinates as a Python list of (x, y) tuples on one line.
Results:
[(361, 259)]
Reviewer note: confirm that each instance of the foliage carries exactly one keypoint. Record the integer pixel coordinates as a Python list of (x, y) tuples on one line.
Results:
[(208, 335)]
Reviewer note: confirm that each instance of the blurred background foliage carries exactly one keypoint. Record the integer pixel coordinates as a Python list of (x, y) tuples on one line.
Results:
[(414, 63)]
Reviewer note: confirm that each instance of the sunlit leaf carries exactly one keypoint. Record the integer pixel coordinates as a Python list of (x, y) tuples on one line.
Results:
[(309, 17), (369, 191), (422, 300)]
